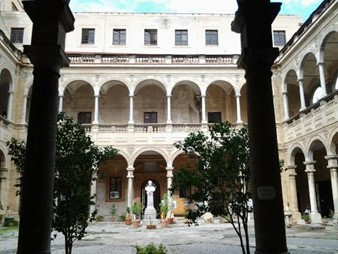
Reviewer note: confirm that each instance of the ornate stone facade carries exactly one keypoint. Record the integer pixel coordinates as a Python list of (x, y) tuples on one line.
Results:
[(142, 98)]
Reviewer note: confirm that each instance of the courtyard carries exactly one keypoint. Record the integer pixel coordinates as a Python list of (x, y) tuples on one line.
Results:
[(216, 238)]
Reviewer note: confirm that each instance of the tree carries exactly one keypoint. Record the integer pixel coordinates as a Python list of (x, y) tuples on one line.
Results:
[(76, 164), (220, 178)]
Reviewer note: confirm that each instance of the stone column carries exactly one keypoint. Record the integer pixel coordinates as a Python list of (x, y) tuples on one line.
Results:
[(169, 109), (301, 94), (314, 215), (51, 21), (130, 194), (93, 189), (203, 110), (60, 103), (296, 215), (24, 109), (238, 108), (10, 104), (169, 176), (332, 165), (96, 108), (286, 105), (253, 20), (322, 79), (131, 109)]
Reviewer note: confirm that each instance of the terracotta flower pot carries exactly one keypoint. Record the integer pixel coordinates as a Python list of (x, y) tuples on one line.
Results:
[(151, 226)]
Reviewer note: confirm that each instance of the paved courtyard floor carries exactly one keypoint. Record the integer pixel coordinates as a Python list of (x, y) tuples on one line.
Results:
[(117, 238)]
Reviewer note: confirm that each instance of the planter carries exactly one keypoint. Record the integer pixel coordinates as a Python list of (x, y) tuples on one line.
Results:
[(151, 226), (127, 221), (164, 223), (170, 220), (136, 223)]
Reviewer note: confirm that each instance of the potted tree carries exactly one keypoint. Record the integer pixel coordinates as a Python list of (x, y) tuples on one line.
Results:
[(163, 213), (128, 216), (168, 206), (113, 212), (136, 209)]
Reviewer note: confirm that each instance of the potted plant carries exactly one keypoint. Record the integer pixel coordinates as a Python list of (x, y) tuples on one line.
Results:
[(151, 225), (128, 216), (113, 212), (168, 206), (163, 213), (136, 209)]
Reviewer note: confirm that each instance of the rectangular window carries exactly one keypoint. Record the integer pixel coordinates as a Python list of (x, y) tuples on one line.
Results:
[(150, 37), (17, 35), (185, 192), (211, 37), (88, 36), (181, 37), (84, 118), (214, 117), (115, 189), (279, 38), (119, 36), (150, 117)]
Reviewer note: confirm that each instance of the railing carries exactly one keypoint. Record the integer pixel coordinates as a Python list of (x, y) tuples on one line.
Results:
[(152, 59)]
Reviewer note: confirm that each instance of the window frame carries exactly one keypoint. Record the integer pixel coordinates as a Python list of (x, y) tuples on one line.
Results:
[(211, 37), (116, 186), (17, 34), (151, 35), (118, 37), (214, 117), (180, 35), (88, 36), (84, 118), (152, 117), (279, 38)]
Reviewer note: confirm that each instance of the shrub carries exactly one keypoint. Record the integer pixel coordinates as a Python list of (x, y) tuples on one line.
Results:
[(150, 249)]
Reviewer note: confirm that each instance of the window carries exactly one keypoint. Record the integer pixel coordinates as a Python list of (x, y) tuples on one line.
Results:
[(88, 36), (119, 36), (115, 188), (84, 118), (184, 192), (211, 37), (150, 37), (16, 35), (214, 117), (181, 37), (279, 38), (150, 117)]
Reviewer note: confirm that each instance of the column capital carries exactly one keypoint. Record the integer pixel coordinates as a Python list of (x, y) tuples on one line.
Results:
[(331, 160), (292, 170), (256, 58), (130, 168)]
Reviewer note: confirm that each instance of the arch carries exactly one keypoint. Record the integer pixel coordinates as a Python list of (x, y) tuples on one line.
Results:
[(314, 144), (150, 81), (333, 142), (6, 87), (149, 149), (294, 149), (193, 85)]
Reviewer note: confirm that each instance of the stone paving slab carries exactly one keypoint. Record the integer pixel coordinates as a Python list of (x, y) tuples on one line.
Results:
[(214, 238)]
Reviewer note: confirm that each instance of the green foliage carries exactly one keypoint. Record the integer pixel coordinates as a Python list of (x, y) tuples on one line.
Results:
[(113, 210), (99, 218), (151, 249), (220, 179), (76, 164), (137, 208), (121, 218)]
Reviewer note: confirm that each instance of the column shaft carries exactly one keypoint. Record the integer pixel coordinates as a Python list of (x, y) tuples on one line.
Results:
[(169, 109), (301, 94), (203, 110), (96, 110), (131, 109), (286, 105), (322, 79), (130, 194), (238, 108)]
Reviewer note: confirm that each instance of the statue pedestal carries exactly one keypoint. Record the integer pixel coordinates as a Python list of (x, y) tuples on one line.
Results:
[(149, 213)]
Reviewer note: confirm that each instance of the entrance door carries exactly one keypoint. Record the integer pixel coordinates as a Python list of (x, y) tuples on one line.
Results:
[(325, 198), (157, 194)]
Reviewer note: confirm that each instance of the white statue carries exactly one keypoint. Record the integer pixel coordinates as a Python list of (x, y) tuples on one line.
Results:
[(150, 212)]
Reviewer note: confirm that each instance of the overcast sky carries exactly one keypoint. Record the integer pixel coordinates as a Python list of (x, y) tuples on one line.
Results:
[(300, 7)]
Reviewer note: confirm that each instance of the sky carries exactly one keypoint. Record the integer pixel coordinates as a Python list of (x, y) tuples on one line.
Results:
[(302, 8)]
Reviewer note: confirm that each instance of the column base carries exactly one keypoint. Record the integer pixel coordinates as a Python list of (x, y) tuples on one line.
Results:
[(315, 217), (260, 252)]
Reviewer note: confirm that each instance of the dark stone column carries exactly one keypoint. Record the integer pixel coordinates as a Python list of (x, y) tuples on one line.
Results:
[(51, 21), (253, 20)]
